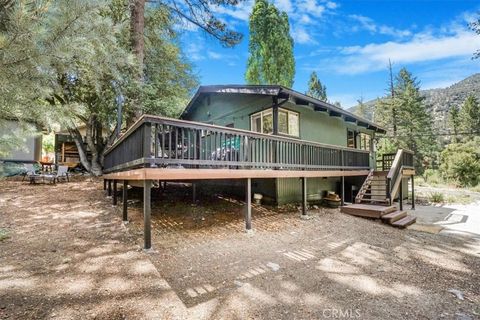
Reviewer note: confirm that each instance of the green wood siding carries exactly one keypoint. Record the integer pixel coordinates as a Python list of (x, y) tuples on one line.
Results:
[(225, 109)]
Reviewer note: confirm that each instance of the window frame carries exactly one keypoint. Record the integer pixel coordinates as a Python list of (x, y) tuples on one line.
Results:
[(354, 133), (269, 111), (363, 136)]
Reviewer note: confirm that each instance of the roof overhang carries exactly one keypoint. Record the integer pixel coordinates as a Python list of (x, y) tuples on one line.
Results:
[(284, 93)]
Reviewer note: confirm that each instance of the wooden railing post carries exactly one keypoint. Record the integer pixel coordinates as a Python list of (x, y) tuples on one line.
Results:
[(147, 142), (413, 193)]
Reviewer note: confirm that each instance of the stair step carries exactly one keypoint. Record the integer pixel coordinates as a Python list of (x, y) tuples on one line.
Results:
[(375, 193), (376, 200), (367, 210), (404, 222), (394, 216)]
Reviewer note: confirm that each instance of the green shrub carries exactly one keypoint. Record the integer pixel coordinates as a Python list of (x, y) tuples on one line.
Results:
[(460, 163), (437, 197), (433, 177)]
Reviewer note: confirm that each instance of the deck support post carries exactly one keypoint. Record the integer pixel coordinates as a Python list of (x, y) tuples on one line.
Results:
[(400, 199), (342, 198), (109, 190), (413, 194), (114, 198), (125, 199), (147, 228), (304, 196), (248, 200), (104, 184), (194, 192)]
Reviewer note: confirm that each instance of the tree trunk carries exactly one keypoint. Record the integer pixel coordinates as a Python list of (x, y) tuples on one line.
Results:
[(137, 26), (92, 136), (94, 143), (82, 152)]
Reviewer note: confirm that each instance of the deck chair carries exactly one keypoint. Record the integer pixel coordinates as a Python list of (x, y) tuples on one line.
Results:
[(62, 173), (30, 172)]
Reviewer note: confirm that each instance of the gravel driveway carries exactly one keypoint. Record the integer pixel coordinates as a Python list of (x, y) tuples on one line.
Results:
[(69, 256)]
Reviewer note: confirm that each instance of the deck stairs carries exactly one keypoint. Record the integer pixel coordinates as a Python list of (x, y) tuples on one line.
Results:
[(374, 201), (374, 189), (388, 214)]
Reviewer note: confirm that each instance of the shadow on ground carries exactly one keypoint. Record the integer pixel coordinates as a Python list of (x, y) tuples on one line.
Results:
[(69, 256)]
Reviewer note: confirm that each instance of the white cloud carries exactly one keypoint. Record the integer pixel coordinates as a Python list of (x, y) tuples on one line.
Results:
[(284, 5), (423, 47), (331, 5), (366, 23), (300, 12), (240, 12), (300, 35), (214, 55), (194, 51)]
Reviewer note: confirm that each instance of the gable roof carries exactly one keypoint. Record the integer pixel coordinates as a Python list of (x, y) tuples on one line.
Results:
[(282, 93)]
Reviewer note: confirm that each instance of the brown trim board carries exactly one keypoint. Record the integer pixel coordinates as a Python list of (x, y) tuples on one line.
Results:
[(207, 174)]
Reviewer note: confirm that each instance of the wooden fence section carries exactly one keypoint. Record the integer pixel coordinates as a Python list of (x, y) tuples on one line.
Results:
[(163, 142)]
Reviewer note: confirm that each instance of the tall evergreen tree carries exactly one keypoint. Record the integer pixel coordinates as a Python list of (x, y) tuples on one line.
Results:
[(69, 61), (316, 89), (271, 59), (470, 116), (454, 121), (196, 12), (413, 119), (415, 130)]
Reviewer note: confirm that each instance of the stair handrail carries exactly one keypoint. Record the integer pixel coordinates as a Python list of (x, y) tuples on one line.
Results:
[(394, 173)]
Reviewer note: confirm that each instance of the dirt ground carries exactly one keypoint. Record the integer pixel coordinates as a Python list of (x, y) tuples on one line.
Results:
[(67, 255)]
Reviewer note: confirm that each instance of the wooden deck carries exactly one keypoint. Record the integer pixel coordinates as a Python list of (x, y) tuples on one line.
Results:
[(389, 214), (367, 210), (207, 174)]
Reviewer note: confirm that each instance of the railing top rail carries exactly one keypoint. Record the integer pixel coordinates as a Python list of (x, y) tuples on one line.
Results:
[(395, 164), (408, 151), (171, 121)]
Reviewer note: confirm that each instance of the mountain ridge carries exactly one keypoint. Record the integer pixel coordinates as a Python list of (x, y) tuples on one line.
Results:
[(439, 100)]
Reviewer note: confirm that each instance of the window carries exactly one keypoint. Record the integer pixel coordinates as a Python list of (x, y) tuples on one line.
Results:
[(288, 122), (365, 141), (351, 141)]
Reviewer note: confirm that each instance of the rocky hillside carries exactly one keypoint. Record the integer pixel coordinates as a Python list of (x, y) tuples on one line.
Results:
[(440, 100)]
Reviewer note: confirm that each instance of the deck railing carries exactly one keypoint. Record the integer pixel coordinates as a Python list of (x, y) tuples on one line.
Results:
[(163, 142), (403, 160)]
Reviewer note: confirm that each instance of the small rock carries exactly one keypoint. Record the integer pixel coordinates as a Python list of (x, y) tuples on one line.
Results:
[(238, 283), (457, 293)]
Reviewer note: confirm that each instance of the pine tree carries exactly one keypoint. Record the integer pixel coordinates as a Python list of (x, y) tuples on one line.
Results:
[(414, 128), (196, 12), (454, 122), (316, 89), (470, 116), (411, 120), (68, 62), (271, 59)]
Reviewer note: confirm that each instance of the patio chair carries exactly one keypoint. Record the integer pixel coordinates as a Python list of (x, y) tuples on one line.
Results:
[(30, 172), (62, 173)]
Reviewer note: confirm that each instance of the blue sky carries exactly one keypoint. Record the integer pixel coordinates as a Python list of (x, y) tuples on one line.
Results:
[(348, 44)]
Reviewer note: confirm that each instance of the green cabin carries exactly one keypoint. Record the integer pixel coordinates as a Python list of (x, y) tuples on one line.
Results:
[(276, 110)]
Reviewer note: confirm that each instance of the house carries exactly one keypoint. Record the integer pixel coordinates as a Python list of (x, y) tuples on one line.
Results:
[(268, 139), (297, 116)]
